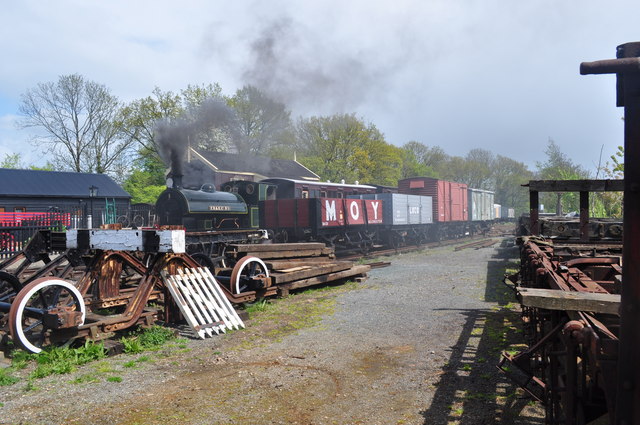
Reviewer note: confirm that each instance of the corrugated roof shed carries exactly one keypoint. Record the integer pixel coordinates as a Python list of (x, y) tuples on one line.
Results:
[(57, 184), (262, 165)]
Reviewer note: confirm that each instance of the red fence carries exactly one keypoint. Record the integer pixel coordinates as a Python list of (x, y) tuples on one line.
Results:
[(17, 229), (42, 218)]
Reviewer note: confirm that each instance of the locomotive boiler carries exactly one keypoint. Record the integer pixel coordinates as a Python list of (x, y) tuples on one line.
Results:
[(203, 209)]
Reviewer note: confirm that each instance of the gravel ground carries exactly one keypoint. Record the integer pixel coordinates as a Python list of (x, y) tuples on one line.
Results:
[(417, 343)]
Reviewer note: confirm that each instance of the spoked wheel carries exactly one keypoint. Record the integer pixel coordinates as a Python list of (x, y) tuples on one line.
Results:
[(214, 264), (249, 273), (9, 286), (123, 220), (42, 312), (138, 221)]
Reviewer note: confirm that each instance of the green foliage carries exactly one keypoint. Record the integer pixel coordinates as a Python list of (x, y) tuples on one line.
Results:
[(140, 116), (61, 360), (615, 169), (139, 186), (114, 379), (30, 386), (12, 161), (147, 339), (6, 378), (263, 121), (344, 147), (559, 166), (84, 379), (258, 306)]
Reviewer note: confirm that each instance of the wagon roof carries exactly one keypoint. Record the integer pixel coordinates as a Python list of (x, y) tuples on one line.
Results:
[(57, 184), (318, 183)]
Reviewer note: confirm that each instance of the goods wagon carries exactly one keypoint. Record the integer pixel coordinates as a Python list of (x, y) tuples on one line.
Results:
[(336, 221), (399, 209), (508, 213), (450, 200), (481, 206), (406, 218), (497, 211)]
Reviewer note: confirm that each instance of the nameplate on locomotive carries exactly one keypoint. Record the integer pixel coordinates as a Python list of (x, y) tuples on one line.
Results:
[(219, 208)]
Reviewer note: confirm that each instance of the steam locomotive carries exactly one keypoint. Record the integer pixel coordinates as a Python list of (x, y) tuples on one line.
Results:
[(343, 215)]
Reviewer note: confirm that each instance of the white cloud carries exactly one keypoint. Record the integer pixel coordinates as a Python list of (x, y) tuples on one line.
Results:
[(457, 73)]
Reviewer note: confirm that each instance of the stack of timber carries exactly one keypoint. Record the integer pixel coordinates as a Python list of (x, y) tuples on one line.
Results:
[(299, 265), (271, 251)]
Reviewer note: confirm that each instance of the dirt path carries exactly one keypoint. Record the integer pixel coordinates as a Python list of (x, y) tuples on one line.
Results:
[(417, 343)]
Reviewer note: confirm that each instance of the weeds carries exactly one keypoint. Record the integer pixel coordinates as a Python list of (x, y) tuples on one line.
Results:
[(147, 340), (258, 306), (6, 379), (61, 360)]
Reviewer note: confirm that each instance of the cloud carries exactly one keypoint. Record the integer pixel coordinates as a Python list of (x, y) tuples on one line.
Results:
[(458, 73)]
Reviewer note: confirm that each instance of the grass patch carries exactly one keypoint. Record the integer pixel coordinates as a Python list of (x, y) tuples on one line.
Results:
[(6, 378), (149, 339), (61, 360), (30, 386), (275, 319), (85, 379), (114, 379), (103, 367)]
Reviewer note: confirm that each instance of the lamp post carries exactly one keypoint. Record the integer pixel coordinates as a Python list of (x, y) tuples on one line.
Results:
[(93, 192)]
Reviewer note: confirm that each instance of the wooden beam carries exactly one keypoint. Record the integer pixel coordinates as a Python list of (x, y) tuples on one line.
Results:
[(306, 246), (576, 185), (553, 299), (354, 271), (318, 270)]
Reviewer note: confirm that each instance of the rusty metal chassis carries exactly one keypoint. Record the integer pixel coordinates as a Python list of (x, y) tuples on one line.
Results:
[(571, 361), (115, 280)]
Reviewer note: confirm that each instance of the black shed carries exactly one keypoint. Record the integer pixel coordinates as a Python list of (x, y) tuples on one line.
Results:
[(24, 191)]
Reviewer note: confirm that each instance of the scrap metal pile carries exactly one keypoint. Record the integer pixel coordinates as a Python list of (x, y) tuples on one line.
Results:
[(92, 283)]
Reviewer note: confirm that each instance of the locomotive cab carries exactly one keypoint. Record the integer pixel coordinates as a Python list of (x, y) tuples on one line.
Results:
[(252, 193)]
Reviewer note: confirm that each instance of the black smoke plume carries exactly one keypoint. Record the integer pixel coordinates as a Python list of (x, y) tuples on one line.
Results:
[(213, 118)]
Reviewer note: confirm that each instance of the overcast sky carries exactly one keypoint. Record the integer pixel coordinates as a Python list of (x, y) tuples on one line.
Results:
[(499, 75)]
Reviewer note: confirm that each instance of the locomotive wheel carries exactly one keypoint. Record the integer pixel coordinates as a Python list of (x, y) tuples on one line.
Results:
[(27, 314), (246, 270)]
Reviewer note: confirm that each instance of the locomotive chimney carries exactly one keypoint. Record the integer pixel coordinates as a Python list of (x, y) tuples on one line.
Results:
[(177, 181)]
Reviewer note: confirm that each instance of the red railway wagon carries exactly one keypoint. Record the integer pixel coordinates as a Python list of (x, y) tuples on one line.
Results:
[(450, 200), (322, 219)]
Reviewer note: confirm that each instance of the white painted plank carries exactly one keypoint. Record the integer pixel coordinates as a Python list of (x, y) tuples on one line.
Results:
[(193, 304), (183, 305), (209, 310), (225, 300), (213, 288)]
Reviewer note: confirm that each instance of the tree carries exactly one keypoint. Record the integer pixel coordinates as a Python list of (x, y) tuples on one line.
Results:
[(12, 161), (418, 160), (140, 117), (434, 157), (262, 120), (560, 167), (81, 123), (509, 176), (343, 147), (15, 161)]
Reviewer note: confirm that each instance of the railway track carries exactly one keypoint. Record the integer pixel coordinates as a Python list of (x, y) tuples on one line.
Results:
[(475, 241)]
